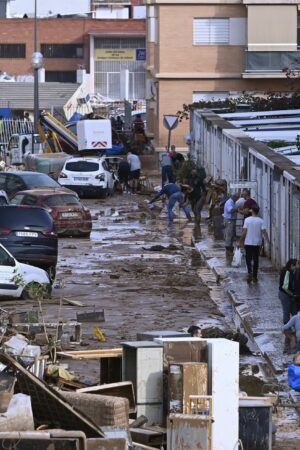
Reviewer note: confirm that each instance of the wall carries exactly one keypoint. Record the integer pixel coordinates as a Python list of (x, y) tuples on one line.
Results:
[(60, 31)]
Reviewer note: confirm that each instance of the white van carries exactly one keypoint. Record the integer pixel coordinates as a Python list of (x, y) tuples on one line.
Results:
[(21, 280), (87, 176)]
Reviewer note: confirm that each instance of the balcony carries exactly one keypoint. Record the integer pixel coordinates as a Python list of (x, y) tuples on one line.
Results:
[(270, 64)]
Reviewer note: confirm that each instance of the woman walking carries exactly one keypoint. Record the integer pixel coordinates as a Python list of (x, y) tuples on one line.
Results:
[(289, 307)]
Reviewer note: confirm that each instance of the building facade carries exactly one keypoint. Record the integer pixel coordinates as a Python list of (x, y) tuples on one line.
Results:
[(199, 50), (109, 49)]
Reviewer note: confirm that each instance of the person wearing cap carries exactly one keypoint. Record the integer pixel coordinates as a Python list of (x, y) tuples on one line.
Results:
[(230, 214), (254, 231)]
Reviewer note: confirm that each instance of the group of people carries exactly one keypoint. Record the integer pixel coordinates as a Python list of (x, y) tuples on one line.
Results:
[(129, 171), (193, 193), (253, 232), (289, 296)]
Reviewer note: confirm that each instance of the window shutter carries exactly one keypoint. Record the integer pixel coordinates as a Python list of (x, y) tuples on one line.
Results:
[(211, 31)]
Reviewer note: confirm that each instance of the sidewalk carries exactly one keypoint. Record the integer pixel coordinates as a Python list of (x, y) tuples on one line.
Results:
[(255, 307)]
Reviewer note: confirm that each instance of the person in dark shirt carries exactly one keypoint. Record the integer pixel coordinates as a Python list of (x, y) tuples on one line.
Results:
[(174, 194), (123, 174), (196, 194), (249, 203)]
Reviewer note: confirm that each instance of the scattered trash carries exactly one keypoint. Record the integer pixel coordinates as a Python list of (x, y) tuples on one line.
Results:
[(93, 316), (99, 334)]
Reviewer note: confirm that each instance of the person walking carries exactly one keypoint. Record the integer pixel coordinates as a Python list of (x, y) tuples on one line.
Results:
[(135, 170), (166, 168), (230, 213), (174, 194), (285, 293), (196, 194), (124, 174), (253, 232)]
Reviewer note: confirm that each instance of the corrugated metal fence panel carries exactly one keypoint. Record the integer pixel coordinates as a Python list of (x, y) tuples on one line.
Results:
[(14, 126)]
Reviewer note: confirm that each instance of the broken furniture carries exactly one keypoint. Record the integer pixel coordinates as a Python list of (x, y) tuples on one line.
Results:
[(44, 440), (104, 410), (185, 379), (110, 362), (143, 365), (122, 389), (48, 406)]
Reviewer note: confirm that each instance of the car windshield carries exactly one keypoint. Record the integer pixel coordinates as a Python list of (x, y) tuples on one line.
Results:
[(61, 200), (39, 179), (15, 217), (82, 166)]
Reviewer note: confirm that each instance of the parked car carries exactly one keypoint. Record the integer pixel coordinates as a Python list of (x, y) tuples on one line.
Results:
[(87, 176), (28, 234), (70, 216), (12, 182), (21, 280), (3, 198)]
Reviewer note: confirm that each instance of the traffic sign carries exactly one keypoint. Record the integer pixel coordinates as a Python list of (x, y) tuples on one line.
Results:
[(170, 122)]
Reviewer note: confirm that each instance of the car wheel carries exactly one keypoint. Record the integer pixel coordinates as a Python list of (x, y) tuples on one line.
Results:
[(51, 271), (35, 291)]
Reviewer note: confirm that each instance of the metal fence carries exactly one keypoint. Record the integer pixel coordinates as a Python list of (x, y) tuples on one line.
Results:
[(8, 127)]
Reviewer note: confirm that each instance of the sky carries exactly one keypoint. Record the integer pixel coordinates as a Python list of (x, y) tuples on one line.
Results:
[(20, 7)]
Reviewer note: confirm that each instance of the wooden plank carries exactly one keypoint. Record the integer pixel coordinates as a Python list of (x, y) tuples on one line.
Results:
[(72, 302), (93, 354)]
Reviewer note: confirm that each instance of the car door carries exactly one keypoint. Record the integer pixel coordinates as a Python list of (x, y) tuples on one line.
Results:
[(9, 276)]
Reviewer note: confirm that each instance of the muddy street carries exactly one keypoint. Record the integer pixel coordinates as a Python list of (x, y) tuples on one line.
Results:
[(141, 275)]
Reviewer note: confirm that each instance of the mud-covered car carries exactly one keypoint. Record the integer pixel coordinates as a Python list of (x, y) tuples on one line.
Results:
[(88, 176), (71, 217), (21, 280)]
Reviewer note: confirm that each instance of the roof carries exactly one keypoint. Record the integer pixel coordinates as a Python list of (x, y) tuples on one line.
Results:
[(47, 191), (20, 95)]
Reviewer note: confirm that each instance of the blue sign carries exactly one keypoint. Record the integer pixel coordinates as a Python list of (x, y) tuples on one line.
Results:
[(140, 54)]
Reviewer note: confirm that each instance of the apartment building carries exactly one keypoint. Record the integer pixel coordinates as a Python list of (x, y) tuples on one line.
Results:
[(199, 50), (106, 48)]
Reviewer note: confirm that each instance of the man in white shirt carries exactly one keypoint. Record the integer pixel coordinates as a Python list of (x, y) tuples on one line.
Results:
[(135, 170), (253, 232)]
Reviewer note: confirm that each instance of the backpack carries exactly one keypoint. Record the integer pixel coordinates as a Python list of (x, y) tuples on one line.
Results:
[(295, 282)]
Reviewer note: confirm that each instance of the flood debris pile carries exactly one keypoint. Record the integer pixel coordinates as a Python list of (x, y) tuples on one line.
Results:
[(166, 387)]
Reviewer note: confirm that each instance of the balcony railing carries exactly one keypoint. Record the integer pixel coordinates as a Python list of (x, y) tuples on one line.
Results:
[(107, 2), (271, 61)]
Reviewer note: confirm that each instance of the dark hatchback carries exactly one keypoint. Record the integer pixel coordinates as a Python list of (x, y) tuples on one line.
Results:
[(28, 233), (13, 182)]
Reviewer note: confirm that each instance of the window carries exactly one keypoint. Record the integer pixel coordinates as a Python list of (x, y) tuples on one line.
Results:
[(62, 50), (67, 76), (210, 31), (12, 50)]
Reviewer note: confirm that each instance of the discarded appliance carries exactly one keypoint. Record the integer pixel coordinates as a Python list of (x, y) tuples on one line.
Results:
[(188, 432), (255, 423), (223, 386), (150, 335), (143, 365)]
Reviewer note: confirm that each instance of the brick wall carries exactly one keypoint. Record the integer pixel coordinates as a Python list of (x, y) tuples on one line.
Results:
[(58, 31)]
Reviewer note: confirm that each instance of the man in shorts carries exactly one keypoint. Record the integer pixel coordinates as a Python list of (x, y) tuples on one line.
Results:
[(135, 170)]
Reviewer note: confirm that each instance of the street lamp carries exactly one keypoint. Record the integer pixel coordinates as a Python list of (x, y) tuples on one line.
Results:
[(36, 64)]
